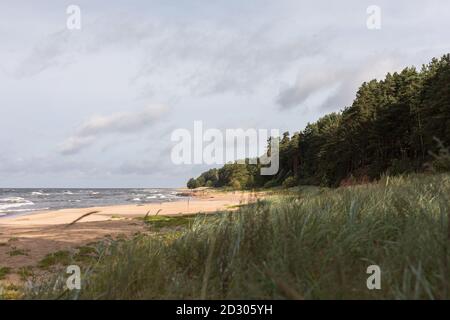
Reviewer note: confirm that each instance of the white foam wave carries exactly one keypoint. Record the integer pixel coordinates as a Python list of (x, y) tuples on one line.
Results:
[(38, 193), (14, 202), (22, 210)]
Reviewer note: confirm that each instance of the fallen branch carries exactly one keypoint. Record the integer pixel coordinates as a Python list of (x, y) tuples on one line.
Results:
[(83, 216)]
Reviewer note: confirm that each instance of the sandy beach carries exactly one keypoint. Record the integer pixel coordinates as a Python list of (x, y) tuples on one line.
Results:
[(35, 235)]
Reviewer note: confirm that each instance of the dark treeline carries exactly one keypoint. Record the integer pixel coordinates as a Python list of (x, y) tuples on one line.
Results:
[(393, 126)]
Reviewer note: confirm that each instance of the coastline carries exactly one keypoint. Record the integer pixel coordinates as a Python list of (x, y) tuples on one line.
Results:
[(16, 202), (40, 233)]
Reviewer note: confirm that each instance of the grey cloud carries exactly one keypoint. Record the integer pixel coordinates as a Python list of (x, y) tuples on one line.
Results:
[(241, 61), (338, 84), (146, 167), (152, 166), (65, 46), (50, 52), (309, 83), (45, 165), (161, 167), (204, 57), (118, 123)]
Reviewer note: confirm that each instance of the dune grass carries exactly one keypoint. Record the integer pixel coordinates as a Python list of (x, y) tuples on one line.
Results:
[(310, 244), (17, 252), (61, 257), (4, 271)]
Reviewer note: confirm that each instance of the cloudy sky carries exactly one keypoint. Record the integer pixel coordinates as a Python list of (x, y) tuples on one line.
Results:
[(96, 107)]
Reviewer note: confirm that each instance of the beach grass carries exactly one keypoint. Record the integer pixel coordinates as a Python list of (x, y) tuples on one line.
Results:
[(62, 257), (159, 222), (4, 271), (25, 272), (309, 244), (17, 252)]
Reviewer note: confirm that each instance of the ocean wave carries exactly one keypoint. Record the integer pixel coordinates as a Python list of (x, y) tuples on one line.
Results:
[(14, 202), (22, 201), (159, 196), (38, 193), (5, 212), (5, 207)]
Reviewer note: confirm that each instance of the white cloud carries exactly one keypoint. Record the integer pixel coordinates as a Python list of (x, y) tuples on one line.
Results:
[(75, 144), (118, 123)]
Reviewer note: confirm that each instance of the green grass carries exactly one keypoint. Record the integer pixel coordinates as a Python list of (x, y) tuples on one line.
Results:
[(17, 252), (160, 221), (4, 271), (86, 255), (61, 257), (25, 273), (309, 244)]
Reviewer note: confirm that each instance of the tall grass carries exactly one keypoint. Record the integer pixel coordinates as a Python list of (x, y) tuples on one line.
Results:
[(310, 245)]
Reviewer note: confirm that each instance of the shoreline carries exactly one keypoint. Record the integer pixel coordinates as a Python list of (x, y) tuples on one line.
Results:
[(39, 211), (131, 209), (27, 239), (181, 195)]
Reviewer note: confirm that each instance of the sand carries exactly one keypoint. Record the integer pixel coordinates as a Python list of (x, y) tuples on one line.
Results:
[(25, 240)]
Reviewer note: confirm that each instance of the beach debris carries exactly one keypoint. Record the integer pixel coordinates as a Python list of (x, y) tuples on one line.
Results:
[(83, 216)]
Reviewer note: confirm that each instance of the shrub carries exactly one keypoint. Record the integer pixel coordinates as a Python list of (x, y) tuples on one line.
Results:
[(441, 161), (400, 166), (289, 182), (235, 184), (192, 183), (271, 184)]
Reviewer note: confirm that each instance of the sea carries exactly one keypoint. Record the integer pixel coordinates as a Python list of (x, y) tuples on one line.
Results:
[(26, 201)]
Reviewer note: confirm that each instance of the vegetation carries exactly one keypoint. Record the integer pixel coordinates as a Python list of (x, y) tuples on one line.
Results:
[(391, 128), (315, 243), (25, 273), (159, 222), (59, 257), (17, 252), (4, 271)]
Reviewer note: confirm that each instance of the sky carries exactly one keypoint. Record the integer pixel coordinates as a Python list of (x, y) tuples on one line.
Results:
[(96, 106)]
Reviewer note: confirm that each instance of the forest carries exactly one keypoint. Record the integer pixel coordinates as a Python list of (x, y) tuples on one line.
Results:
[(394, 126)]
